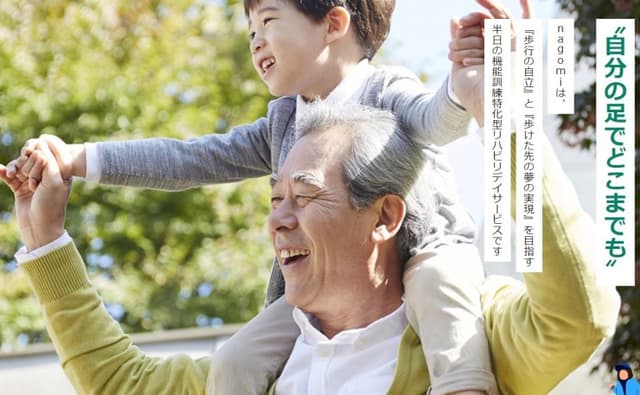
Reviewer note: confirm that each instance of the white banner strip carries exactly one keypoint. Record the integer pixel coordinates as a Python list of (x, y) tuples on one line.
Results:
[(560, 66), (528, 102), (615, 130), (497, 147)]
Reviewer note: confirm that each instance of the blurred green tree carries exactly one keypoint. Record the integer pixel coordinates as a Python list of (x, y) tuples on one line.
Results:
[(625, 345), (92, 70)]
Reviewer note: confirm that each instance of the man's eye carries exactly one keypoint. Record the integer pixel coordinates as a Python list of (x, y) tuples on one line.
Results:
[(275, 201), (302, 199)]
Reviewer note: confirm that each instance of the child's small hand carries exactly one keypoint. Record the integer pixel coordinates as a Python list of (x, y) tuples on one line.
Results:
[(466, 47), (15, 184), (28, 168), (18, 168), (467, 71), (466, 52), (498, 12)]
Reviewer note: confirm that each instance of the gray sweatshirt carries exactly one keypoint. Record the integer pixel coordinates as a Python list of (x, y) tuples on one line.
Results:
[(260, 148)]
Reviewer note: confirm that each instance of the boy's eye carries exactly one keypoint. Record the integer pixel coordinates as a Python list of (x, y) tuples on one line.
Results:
[(267, 20), (252, 35)]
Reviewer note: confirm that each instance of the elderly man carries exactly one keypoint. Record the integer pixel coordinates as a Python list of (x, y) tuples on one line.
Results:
[(343, 212)]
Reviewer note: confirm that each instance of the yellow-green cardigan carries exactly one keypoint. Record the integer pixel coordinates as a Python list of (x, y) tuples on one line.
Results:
[(538, 331)]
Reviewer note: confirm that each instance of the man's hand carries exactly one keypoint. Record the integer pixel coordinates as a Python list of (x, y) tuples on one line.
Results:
[(40, 211), (466, 52), (70, 157)]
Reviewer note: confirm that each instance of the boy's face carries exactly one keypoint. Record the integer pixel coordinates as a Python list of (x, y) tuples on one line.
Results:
[(288, 48)]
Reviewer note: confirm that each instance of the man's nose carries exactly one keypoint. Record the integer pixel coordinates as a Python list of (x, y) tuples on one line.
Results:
[(282, 218)]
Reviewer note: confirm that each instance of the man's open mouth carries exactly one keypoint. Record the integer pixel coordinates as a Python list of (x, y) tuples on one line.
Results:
[(293, 255)]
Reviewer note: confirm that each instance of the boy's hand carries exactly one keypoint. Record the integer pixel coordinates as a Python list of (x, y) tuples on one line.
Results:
[(467, 71), (466, 47), (466, 52), (28, 168)]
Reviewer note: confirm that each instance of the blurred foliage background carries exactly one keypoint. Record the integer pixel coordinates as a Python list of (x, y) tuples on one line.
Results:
[(578, 130), (92, 70)]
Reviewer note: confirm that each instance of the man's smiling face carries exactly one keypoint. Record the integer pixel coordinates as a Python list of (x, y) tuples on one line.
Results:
[(323, 244)]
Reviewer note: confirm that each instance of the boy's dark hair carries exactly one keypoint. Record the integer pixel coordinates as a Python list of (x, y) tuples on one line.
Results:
[(371, 19)]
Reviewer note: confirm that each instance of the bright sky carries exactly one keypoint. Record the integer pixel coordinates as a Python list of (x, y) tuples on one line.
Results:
[(420, 32)]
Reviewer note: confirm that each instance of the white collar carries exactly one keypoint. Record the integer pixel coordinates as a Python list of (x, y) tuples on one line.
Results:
[(385, 327), (348, 90)]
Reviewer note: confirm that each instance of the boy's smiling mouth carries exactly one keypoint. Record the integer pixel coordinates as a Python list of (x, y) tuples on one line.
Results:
[(266, 64)]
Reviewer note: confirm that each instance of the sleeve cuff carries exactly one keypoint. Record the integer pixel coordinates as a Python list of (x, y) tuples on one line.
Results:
[(454, 98), (93, 162), (23, 256), (57, 274)]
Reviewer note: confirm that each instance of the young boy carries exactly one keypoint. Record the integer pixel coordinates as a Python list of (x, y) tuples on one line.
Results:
[(305, 50)]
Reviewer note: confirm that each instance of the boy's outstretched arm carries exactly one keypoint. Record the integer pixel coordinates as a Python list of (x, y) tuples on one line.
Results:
[(161, 163)]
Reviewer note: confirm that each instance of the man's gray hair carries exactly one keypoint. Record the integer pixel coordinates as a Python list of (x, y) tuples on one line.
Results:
[(381, 160)]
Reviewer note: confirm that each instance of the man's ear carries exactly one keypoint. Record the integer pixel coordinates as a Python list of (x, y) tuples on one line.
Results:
[(391, 212), (338, 21)]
